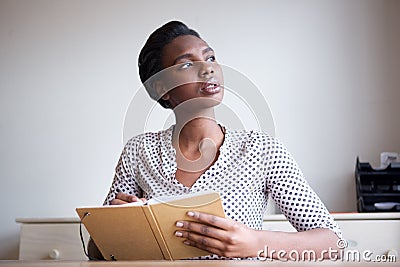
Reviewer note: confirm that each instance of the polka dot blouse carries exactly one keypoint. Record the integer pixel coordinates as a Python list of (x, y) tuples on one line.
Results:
[(251, 166)]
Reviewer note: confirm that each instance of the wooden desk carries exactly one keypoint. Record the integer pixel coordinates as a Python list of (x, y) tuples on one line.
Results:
[(58, 238), (187, 264)]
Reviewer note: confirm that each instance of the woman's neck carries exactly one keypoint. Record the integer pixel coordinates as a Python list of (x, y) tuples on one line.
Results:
[(197, 140), (193, 128)]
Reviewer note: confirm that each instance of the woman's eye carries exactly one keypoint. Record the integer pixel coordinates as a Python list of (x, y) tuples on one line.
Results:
[(211, 58), (185, 65)]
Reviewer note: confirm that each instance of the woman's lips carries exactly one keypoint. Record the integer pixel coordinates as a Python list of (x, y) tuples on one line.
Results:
[(210, 88)]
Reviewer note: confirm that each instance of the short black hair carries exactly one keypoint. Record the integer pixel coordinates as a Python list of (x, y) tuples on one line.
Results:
[(150, 57)]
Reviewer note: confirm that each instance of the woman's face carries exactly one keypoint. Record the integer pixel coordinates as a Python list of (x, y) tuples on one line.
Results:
[(191, 73)]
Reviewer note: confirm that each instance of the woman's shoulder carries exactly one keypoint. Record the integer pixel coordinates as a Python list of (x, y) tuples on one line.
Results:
[(251, 136), (149, 138), (254, 140)]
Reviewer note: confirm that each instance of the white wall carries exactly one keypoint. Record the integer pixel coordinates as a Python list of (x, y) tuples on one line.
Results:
[(329, 69)]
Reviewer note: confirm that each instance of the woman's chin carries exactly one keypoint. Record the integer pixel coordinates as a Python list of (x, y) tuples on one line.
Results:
[(199, 103)]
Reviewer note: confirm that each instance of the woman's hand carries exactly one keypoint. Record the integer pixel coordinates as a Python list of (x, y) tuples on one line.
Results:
[(123, 198), (221, 236)]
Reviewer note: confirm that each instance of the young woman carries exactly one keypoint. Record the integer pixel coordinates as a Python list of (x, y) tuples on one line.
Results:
[(180, 71)]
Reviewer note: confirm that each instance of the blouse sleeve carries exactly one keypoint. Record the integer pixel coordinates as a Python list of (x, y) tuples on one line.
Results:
[(293, 195), (125, 178)]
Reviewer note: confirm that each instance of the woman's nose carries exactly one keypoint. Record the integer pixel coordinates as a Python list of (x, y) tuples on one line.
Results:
[(206, 69)]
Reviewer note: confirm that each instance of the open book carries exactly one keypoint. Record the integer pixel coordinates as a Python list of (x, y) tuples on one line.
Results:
[(146, 231)]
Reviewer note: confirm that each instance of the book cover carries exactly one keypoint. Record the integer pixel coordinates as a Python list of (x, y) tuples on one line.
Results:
[(138, 231)]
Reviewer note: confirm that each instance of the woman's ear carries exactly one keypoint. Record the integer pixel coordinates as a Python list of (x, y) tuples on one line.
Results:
[(160, 89)]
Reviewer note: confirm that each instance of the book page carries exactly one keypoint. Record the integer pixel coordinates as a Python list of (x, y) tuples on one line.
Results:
[(187, 198)]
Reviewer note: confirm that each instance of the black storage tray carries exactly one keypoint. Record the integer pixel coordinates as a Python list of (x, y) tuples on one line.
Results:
[(377, 190)]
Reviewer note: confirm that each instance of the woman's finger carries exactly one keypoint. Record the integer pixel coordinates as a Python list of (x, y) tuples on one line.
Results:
[(116, 201), (126, 197), (202, 229), (210, 219), (208, 244), (201, 241)]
